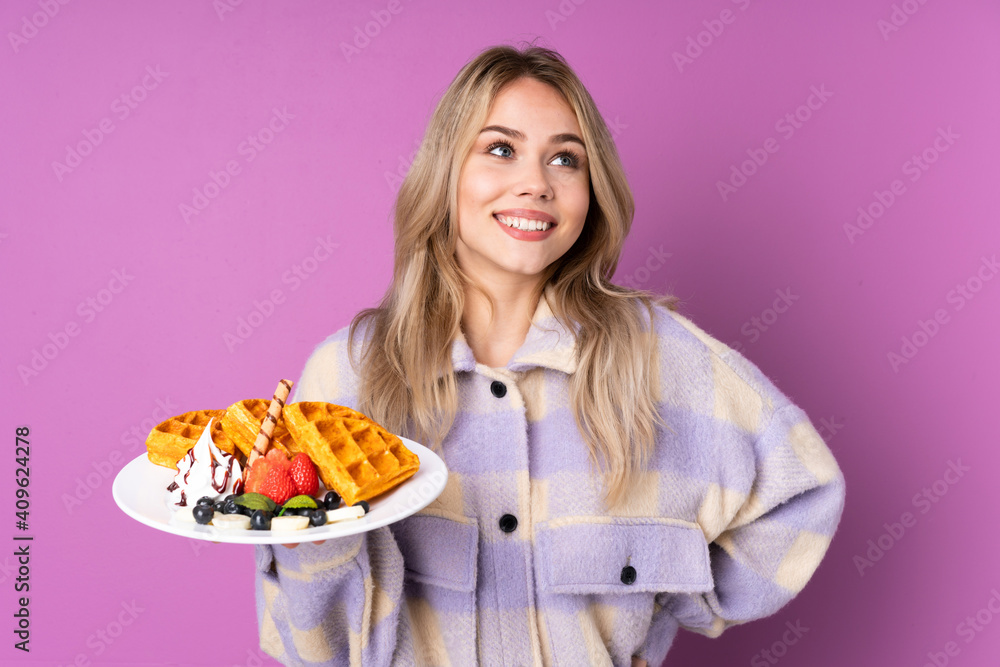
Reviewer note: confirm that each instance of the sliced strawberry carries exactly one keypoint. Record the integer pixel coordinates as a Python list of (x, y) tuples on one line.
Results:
[(277, 485), (256, 475), (278, 457), (303, 474)]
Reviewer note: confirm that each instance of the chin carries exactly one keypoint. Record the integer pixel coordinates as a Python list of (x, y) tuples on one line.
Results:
[(534, 270)]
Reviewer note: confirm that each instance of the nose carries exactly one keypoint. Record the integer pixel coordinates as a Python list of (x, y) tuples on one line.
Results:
[(532, 179)]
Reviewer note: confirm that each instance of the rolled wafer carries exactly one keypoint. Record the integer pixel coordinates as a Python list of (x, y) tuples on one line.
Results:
[(263, 440)]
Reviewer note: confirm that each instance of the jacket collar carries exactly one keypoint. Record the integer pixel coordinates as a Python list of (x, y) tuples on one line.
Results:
[(548, 344)]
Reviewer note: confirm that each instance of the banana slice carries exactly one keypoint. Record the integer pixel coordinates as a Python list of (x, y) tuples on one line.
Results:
[(343, 513), (231, 521), (293, 522)]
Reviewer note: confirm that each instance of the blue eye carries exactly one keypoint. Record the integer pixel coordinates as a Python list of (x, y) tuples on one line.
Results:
[(574, 159), (499, 144)]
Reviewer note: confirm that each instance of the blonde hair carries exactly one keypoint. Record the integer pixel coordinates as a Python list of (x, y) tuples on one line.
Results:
[(407, 382)]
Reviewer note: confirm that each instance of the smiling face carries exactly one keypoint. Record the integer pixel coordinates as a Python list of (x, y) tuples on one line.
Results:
[(524, 188)]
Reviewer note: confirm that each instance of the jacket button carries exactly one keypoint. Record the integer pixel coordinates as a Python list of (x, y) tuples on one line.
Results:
[(628, 574), (508, 522), (498, 388)]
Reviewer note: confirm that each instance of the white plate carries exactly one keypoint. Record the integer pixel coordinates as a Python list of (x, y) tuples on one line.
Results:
[(140, 489)]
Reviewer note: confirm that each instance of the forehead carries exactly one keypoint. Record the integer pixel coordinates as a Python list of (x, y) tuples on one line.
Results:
[(528, 103)]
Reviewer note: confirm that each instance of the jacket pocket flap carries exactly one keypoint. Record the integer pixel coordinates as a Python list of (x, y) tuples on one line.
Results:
[(591, 554), (439, 550)]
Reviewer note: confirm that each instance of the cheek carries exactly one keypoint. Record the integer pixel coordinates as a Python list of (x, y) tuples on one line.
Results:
[(477, 187), (576, 192), (581, 204), (572, 238)]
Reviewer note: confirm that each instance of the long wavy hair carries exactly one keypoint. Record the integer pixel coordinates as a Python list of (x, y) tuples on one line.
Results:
[(407, 382)]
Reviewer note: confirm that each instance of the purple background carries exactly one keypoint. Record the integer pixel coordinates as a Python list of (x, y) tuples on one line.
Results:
[(331, 173)]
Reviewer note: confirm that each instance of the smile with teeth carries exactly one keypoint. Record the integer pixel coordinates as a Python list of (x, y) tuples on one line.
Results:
[(524, 224)]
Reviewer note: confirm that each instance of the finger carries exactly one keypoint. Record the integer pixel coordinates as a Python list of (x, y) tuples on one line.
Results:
[(290, 546)]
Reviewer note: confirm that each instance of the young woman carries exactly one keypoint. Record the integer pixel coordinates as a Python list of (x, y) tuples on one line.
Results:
[(615, 473)]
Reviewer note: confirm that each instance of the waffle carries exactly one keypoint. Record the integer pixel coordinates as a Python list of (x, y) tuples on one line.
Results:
[(355, 457), (242, 420), (169, 441)]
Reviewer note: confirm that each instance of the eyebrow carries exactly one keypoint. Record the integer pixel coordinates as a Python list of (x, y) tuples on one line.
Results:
[(516, 134)]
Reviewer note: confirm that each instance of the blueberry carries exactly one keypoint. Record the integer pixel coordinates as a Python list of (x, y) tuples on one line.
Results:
[(231, 496), (230, 507), (203, 514), (206, 500), (246, 511), (260, 520), (331, 500), (218, 506), (362, 503), (317, 517)]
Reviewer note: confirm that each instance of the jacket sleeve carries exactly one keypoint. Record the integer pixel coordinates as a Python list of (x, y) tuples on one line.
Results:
[(340, 602), (336, 603), (777, 537), (778, 498)]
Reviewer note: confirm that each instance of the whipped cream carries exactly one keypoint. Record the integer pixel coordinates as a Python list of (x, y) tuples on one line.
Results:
[(205, 470)]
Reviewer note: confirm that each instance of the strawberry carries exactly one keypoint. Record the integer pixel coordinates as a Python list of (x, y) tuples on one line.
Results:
[(303, 473), (278, 457), (277, 485), (256, 475), (275, 458)]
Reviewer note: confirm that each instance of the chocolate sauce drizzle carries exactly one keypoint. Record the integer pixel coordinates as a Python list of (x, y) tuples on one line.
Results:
[(225, 478), (218, 486)]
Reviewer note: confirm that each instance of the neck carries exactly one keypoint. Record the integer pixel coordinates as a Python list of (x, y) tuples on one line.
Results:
[(494, 342)]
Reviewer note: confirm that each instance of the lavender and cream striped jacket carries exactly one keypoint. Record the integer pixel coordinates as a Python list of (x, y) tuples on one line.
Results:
[(731, 520)]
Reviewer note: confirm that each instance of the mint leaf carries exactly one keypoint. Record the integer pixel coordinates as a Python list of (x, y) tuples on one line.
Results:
[(301, 501), (296, 502), (255, 501)]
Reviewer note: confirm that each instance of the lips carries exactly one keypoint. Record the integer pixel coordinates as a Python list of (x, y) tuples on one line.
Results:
[(524, 234), (524, 224)]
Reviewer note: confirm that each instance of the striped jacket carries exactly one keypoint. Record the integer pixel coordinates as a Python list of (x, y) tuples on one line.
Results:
[(515, 564)]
